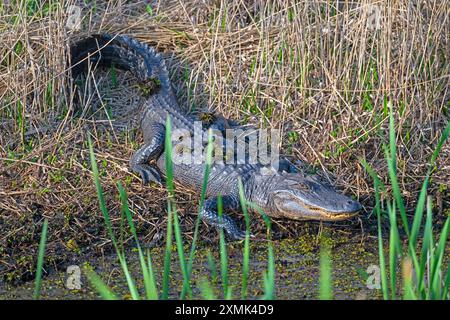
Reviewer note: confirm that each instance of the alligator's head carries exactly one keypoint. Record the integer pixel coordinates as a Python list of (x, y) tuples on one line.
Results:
[(296, 197)]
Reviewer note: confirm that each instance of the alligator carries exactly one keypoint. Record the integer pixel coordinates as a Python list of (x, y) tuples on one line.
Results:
[(284, 193)]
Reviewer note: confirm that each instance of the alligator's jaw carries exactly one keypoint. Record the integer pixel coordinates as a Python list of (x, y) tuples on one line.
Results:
[(296, 210), (320, 215), (331, 216)]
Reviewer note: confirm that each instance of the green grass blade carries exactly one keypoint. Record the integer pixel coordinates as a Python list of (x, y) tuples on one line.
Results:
[(101, 287), (183, 264), (172, 209), (392, 138), (427, 247), (445, 291), (391, 157), (124, 202), (246, 258), (223, 250), (40, 262), (436, 261), (209, 151), (130, 282), (396, 191), (106, 217), (373, 175), (206, 290), (325, 281), (212, 266), (150, 288), (167, 255), (169, 183), (444, 232), (437, 150), (168, 158), (229, 295), (269, 275), (407, 274), (149, 284), (384, 282), (422, 196), (377, 186), (152, 284), (101, 199), (394, 243), (417, 221), (265, 217), (419, 266)]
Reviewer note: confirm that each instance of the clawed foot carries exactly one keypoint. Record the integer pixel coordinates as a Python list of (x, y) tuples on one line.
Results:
[(148, 174), (237, 235)]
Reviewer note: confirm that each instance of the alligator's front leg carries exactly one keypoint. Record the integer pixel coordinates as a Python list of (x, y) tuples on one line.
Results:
[(154, 144), (210, 216), (286, 166)]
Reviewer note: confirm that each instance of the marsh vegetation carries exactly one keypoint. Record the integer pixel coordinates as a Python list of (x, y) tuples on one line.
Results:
[(360, 90)]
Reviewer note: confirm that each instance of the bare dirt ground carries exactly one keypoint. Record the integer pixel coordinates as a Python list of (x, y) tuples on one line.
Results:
[(319, 71)]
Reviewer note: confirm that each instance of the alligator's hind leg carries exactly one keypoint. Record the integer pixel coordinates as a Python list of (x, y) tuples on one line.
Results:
[(210, 216), (154, 145)]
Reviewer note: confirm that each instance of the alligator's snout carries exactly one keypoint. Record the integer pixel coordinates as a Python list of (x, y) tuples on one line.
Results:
[(304, 199), (343, 210), (351, 206)]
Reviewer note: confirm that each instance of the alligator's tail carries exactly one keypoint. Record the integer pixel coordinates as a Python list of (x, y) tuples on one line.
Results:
[(124, 53)]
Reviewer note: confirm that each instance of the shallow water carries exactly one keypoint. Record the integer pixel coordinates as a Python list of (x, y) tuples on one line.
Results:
[(296, 260)]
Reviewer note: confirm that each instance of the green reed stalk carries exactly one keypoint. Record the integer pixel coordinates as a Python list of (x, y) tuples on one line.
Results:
[(40, 261)]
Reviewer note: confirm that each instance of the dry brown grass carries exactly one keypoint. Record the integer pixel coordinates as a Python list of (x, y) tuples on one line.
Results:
[(313, 68)]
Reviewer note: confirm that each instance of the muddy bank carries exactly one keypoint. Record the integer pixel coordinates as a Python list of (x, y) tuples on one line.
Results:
[(296, 260)]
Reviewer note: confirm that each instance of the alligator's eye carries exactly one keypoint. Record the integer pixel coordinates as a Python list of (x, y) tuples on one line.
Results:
[(303, 186), (300, 185)]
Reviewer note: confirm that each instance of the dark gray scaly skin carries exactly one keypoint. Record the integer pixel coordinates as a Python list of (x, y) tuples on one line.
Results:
[(285, 193)]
